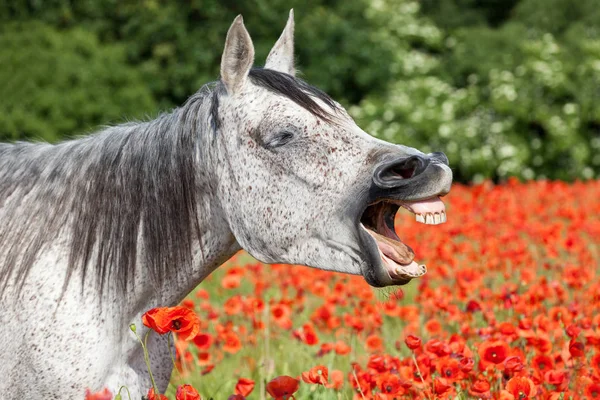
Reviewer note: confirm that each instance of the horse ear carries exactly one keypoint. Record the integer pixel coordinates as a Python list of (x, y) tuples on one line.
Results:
[(281, 56), (238, 56)]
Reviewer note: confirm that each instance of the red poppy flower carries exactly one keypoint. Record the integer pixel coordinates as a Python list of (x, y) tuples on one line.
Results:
[(342, 348), (231, 281), (576, 348), (236, 397), (374, 343), (595, 363), (412, 342), (521, 387), (103, 395), (555, 377), (442, 388), (233, 344), (542, 363), (152, 396), (307, 335), (203, 341), (593, 390), (188, 304), (178, 319), (573, 331), (513, 364), (244, 386), (473, 306), (186, 392), (493, 352), (325, 348), (466, 364), (208, 369), (283, 387), (337, 379), (156, 319), (390, 385), (481, 388), (233, 305), (449, 369), (318, 375), (433, 326), (437, 347)]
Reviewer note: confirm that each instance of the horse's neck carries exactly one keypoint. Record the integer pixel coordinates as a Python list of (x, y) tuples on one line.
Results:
[(215, 246)]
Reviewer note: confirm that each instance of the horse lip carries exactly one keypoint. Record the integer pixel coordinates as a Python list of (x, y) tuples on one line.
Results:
[(372, 269)]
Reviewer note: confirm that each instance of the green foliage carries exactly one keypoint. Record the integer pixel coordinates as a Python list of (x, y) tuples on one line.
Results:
[(504, 87), (452, 14), (56, 84), (177, 46), (511, 101)]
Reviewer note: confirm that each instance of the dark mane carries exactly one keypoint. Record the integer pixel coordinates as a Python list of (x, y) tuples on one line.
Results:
[(294, 89), (130, 182)]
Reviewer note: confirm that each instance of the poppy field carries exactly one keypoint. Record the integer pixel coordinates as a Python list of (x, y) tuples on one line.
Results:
[(509, 309)]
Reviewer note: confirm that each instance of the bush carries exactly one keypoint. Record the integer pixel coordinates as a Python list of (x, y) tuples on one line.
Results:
[(513, 101), (56, 84)]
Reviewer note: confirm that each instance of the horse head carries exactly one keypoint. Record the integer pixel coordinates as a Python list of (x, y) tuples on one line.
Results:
[(300, 183)]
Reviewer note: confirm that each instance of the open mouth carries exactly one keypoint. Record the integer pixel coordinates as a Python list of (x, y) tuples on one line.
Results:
[(395, 257)]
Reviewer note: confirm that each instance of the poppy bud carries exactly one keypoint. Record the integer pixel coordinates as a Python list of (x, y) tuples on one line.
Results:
[(513, 364), (412, 342), (573, 331), (466, 364), (555, 377), (472, 306), (576, 348)]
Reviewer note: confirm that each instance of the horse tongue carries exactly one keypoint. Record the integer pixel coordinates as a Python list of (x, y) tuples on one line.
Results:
[(393, 249)]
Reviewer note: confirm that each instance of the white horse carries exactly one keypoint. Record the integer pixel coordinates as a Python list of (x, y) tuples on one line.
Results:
[(95, 231)]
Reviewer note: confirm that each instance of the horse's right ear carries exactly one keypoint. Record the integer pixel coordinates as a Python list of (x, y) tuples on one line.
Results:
[(238, 56), (281, 56)]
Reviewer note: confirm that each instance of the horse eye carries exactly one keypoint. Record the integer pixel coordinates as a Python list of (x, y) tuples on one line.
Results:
[(280, 139)]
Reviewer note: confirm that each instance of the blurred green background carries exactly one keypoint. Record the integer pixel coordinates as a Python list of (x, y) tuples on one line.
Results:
[(504, 87)]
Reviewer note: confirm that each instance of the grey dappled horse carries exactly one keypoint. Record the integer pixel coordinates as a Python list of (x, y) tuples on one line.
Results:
[(96, 231)]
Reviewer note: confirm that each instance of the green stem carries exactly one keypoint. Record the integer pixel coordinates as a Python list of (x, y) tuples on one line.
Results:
[(171, 353), (419, 371), (127, 389), (360, 390), (146, 356)]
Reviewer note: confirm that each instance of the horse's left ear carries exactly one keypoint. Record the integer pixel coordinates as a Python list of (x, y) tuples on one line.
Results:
[(238, 56), (281, 56)]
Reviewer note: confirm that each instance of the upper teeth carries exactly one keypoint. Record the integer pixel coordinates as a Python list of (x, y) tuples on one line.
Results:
[(431, 218)]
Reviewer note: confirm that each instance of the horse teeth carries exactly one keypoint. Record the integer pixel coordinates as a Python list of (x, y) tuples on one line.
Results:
[(431, 218)]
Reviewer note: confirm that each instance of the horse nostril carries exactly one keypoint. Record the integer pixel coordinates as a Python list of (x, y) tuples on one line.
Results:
[(390, 174), (407, 167), (405, 171)]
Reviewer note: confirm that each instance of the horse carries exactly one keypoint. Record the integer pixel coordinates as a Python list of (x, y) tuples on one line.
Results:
[(97, 230)]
